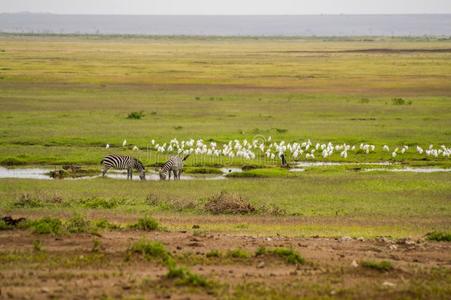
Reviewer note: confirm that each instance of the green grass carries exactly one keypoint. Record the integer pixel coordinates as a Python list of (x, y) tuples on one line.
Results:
[(147, 224), (382, 266), (65, 112), (238, 253), (289, 255), (439, 236)]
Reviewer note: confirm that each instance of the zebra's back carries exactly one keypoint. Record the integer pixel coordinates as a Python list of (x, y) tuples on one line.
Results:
[(118, 161), (174, 163)]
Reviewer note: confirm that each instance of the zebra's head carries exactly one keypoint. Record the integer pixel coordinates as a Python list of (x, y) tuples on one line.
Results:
[(142, 175), (162, 174)]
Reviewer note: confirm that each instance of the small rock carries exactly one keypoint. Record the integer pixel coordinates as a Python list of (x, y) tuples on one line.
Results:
[(45, 290), (261, 265), (269, 239), (345, 239), (354, 264), (361, 239), (179, 248), (293, 273), (388, 284), (393, 247)]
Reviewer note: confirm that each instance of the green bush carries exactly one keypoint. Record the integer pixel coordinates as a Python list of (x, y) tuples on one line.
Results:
[(213, 253), (382, 266), (136, 115), (237, 253), (439, 236), (78, 224), (4, 226), (147, 224), (185, 277), (289, 255), (95, 202), (105, 224), (47, 225), (150, 250)]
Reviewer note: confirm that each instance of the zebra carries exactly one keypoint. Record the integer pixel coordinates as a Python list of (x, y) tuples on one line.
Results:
[(122, 162), (174, 165)]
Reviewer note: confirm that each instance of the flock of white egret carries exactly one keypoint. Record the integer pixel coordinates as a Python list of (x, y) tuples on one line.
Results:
[(265, 148)]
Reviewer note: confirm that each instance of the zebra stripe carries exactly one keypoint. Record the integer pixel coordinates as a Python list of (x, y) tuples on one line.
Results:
[(122, 162), (174, 165)]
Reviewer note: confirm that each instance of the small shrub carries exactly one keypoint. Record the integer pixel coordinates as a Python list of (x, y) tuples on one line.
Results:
[(439, 236), (289, 255), (37, 245), (26, 200), (364, 100), (136, 115), (147, 224), (183, 276), (150, 250), (400, 101), (12, 161), (226, 203), (237, 253), (213, 253), (78, 224), (178, 127), (95, 202), (383, 266), (47, 225), (105, 224), (4, 226), (96, 245), (281, 130)]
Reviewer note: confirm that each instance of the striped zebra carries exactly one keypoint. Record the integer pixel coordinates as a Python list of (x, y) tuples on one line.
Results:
[(174, 165), (122, 162)]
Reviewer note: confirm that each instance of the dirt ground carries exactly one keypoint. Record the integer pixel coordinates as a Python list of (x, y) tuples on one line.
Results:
[(86, 266)]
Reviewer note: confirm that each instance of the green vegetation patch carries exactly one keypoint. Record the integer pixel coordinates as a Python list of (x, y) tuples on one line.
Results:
[(136, 115), (146, 223), (439, 236), (382, 266), (202, 170), (289, 255), (238, 253)]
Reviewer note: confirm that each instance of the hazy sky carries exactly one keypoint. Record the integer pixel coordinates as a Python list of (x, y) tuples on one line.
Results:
[(227, 6)]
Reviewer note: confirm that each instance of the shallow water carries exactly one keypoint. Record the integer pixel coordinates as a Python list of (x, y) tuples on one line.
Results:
[(409, 169), (327, 163), (43, 173)]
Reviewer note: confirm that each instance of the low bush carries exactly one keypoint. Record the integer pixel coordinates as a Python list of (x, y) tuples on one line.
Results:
[(227, 203), (147, 224), (4, 226), (183, 276), (12, 161), (289, 255), (46, 225), (136, 115), (382, 266), (237, 253), (439, 236), (95, 202), (78, 224), (150, 250)]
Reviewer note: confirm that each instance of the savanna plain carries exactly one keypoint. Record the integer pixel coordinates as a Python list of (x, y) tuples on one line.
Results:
[(330, 231)]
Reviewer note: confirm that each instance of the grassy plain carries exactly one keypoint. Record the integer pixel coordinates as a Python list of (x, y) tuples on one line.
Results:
[(64, 97)]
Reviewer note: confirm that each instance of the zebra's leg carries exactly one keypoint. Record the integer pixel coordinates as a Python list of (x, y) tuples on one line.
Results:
[(169, 175), (179, 175), (131, 173), (175, 174)]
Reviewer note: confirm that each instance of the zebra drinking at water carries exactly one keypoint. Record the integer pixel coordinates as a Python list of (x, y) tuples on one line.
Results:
[(122, 162), (174, 165)]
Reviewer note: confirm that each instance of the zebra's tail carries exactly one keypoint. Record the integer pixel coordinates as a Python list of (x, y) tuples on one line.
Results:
[(186, 157)]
